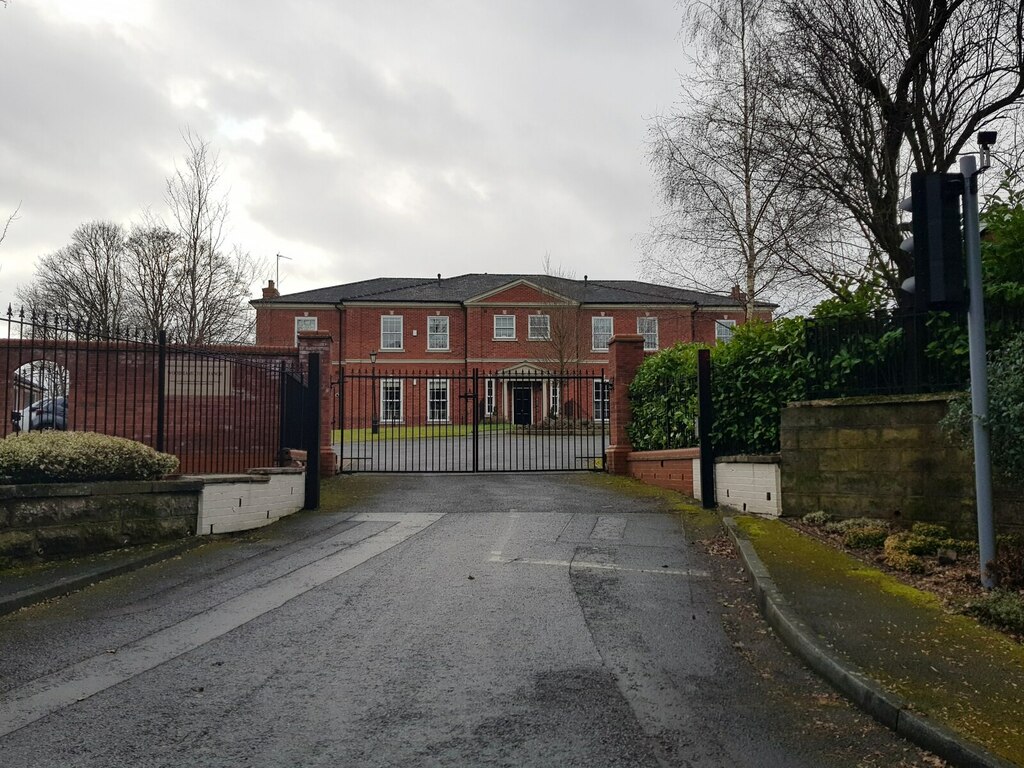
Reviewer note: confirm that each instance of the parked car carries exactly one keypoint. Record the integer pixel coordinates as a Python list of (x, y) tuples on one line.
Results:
[(48, 413)]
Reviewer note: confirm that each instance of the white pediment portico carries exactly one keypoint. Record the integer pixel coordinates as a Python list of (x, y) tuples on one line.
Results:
[(524, 369)]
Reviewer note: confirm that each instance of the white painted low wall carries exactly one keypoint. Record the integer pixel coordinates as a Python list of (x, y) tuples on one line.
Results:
[(751, 484), (240, 502)]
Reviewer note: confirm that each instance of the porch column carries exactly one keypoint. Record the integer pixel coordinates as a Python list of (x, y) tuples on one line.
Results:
[(626, 353)]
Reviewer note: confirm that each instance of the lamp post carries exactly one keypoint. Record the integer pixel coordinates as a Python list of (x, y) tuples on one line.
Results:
[(374, 422)]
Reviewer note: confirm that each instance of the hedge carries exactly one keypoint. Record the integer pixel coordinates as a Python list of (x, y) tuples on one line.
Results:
[(63, 457), (754, 375)]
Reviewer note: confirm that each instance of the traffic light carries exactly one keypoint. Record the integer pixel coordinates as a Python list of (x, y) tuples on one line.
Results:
[(937, 241)]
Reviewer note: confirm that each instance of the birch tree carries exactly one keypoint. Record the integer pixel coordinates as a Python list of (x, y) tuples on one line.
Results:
[(737, 212)]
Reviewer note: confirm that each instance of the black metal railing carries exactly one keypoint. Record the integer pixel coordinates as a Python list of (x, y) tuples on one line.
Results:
[(217, 409), (458, 421), (897, 352)]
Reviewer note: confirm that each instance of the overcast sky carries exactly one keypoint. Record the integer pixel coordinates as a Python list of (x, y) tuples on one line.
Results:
[(358, 137)]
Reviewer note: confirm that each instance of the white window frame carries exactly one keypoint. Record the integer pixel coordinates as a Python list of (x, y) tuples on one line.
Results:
[(602, 413), (554, 398), (431, 335), (594, 336), (384, 383), (724, 330), (439, 385), (304, 320), (543, 333), (502, 336), (384, 346), (650, 337), (489, 397)]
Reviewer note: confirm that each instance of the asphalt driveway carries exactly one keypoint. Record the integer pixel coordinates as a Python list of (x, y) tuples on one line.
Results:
[(513, 620)]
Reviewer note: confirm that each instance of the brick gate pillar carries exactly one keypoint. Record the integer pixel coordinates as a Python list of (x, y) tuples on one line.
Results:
[(626, 353), (321, 341)]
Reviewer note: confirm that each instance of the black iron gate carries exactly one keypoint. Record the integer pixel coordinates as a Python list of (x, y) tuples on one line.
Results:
[(522, 420), (300, 421)]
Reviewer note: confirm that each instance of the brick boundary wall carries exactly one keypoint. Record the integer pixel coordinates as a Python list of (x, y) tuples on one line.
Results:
[(242, 502), (672, 469)]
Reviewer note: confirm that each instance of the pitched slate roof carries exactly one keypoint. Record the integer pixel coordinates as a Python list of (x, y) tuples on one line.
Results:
[(465, 287)]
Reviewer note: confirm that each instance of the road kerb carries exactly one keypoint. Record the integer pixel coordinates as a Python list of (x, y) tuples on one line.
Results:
[(887, 708)]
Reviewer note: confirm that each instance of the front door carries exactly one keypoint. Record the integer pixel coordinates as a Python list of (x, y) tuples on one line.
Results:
[(522, 404)]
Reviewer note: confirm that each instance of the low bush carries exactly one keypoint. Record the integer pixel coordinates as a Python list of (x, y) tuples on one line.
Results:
[(960, 546), (1003, 609), (842, 527), (817, 519), (912, 544), (903, 561), (930, 531), (903, 552), (67, 457), (866, 537)]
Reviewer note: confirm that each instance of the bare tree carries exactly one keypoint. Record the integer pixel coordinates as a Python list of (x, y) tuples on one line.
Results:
[(874, 89), (83, 279), (737, 212), (561, 349), (212, 285), (151, 266), (182, 278), (7, 224)]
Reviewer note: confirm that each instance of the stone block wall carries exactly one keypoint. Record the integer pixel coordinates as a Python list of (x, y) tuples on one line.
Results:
[(882, 457), (80, 518)]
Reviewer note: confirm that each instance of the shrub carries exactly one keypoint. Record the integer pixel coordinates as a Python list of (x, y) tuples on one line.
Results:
[(1000, 608), (960, 546), (65, 457), (930, 531), (763, 367), (866, 537), (911, 543), (903, 561), (663, 396), (1005, 414), (842, 527), (898, 552), (816, 519)]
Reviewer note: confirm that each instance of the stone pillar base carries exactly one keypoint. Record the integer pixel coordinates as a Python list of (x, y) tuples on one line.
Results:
[(615, 458), (328, 461)]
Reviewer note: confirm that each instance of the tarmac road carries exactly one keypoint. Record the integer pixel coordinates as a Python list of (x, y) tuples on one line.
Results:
[(508, 620)]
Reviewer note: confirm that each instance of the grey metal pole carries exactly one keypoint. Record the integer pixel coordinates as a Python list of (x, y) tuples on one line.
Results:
[(979, 372)]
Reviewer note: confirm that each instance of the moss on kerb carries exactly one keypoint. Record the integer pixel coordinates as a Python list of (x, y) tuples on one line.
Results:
[(947, 666)]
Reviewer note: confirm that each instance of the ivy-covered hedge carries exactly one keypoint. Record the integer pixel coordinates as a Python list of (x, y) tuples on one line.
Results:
[(761, 369), (1005, 410), (64, 457)]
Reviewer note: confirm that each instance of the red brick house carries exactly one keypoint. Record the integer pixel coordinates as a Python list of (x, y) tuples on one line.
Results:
[(513, 328)]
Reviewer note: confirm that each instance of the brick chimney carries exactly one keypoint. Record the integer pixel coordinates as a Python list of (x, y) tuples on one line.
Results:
[(270, 292), (735, 293)]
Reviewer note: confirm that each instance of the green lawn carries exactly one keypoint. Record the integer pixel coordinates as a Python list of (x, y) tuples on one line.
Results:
[(402, 432)]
